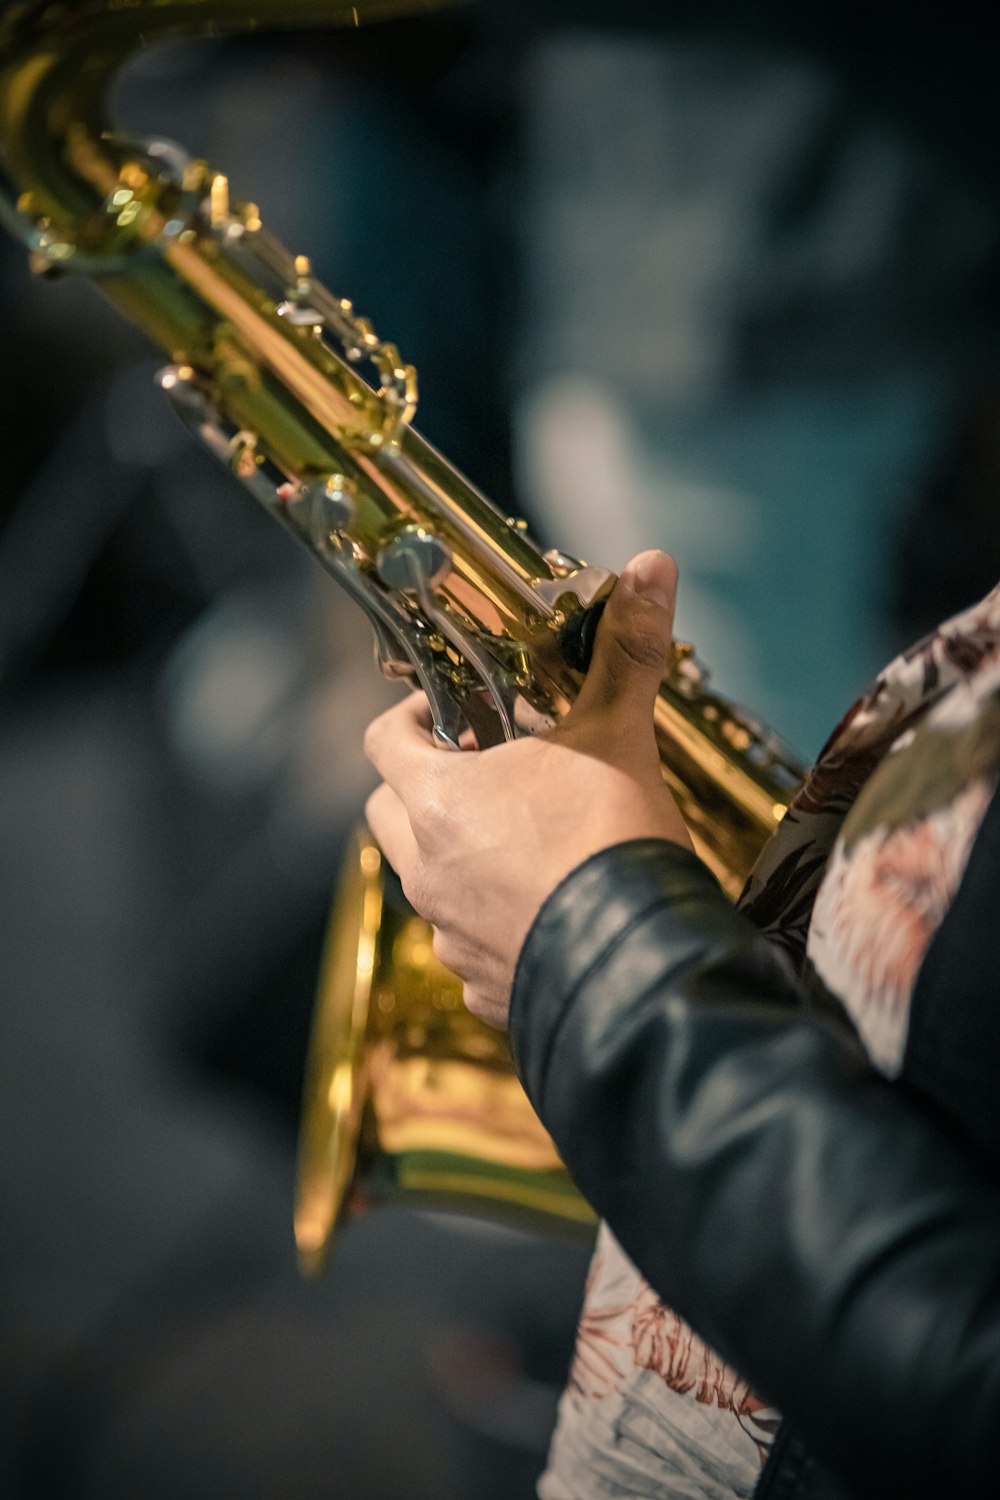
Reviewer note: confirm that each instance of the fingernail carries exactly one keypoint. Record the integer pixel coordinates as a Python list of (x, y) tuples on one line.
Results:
[(653, 576)]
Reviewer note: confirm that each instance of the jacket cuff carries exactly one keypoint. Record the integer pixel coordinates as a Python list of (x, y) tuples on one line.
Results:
[(591, 910)]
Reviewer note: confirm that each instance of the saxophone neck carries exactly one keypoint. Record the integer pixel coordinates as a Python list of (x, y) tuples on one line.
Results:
[(62, 190)]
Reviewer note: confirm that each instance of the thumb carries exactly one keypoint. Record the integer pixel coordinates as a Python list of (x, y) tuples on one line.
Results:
[(633, 641)]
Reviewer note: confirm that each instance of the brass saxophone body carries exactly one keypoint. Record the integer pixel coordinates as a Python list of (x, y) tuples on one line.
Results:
[(313, 413)]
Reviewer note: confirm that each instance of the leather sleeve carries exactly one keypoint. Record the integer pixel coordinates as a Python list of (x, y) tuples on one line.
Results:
[(817, 1226)]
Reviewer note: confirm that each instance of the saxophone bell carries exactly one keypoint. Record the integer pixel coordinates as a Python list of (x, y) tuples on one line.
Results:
[(408, 1097)]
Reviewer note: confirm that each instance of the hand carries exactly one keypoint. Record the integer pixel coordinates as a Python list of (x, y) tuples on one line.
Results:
[(480, 839)]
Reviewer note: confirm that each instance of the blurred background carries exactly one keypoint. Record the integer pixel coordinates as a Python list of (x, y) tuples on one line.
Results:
[(712, 278)]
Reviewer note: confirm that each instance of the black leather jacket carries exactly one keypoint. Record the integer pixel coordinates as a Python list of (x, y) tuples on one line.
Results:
[(834, 1236)]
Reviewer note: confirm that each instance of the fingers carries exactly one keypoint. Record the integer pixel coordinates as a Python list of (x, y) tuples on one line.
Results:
[(490, 1007), (398, 743), (387, 818), (633, 643), (486, 982)]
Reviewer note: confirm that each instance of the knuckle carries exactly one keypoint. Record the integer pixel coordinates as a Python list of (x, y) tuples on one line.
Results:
[(487, 1007), (475, 1003), (417, 890), (372, 739), (642, 647), (428, 814), (445, 950)]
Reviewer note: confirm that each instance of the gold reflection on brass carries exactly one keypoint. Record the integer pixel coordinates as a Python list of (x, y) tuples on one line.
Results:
[(205, 280), (407, 1094)]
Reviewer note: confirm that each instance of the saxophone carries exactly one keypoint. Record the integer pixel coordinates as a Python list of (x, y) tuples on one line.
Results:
[(313, 413)]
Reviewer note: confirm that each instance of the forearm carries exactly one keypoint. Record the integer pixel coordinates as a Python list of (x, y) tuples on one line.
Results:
[(816, 1227)]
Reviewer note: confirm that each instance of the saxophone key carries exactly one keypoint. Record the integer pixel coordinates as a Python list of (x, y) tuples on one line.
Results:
[(218, 201), (414, 561)]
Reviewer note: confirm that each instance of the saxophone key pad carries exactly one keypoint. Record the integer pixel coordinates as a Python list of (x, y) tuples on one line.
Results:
[(414, 561), (328, 504)]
